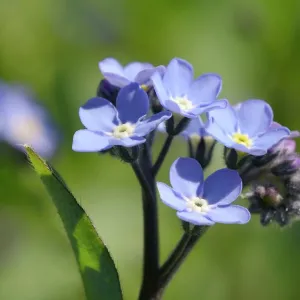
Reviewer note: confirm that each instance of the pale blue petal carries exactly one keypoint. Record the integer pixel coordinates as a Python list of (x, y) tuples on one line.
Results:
[(133, 69), (254, 117), (222, 187), (186, 177), (98, 114), (113, 71), (271, 138), (178, 77), (159, 88), (226, 119), (88, 141), (232, 214), (170, 197), (126, 142), (194, 218), (218, 133), (144, 77), (205, 89), (146, 126), (111, 65), (216, 105)]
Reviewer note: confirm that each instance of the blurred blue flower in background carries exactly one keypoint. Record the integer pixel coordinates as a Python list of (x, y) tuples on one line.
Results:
[(178, 92), (23, 121), (121, 76), (202, 202)]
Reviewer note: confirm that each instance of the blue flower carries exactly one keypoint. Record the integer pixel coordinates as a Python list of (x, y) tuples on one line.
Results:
[(23, 121), (202, 202), (247, 127), (121, 76), (123, 125), (178, 92)]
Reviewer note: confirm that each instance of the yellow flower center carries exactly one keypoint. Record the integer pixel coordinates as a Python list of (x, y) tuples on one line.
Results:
[(144, 87), (242, 139), (197, 204), (123, 131), (183, 102)]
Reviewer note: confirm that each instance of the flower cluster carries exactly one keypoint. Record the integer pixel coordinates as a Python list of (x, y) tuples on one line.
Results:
[(136, 101)]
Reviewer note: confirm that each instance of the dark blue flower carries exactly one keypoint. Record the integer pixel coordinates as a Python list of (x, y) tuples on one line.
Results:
[(124, 125), (121, 76), (23, 121), (202, 202), (247, 127), (178, 92)]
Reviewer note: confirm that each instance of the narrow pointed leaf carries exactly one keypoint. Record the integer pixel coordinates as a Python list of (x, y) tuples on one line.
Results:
[(97, 269)]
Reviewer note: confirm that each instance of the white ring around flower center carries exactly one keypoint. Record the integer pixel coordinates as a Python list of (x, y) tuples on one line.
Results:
[(197, 204), (123, 131), (183, 102)]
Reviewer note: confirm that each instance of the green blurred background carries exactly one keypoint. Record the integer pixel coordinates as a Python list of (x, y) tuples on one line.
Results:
[(54, 46)]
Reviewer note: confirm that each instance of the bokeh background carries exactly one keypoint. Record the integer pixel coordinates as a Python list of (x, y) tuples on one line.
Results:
[(54, 47)]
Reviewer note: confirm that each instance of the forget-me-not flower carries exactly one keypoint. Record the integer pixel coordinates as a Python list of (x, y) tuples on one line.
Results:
[(124, 125), (23, 121), (247, 127), (178, 92), (121, 76), (202, 202)]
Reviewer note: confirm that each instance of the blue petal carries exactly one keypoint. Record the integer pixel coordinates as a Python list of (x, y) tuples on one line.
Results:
[(186, 177), (254, 117), (144, 77), (271, 138), (159, 88), (232, 214), (226, 119), (126, 142), (98, 114), (173, 106), (194, 218), (111, 65), (148, 125), (170, 197), (216, 105), (88, 141), (112, 70), (134, 68), (217, 132), (178, 77), (205, 89), (132, 103), (222, 187)]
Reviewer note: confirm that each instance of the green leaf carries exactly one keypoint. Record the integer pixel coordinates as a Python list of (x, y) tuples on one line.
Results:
[(97, 269)]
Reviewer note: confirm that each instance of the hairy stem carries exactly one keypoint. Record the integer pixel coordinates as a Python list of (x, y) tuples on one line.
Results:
[(162, 155), (178, 256), (142, 170)]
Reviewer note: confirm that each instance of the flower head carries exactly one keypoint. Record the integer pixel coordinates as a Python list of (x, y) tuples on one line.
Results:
[(203, 202), (23, 121), (121, 76), (180, 93), (246, 128), (123, 125)]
